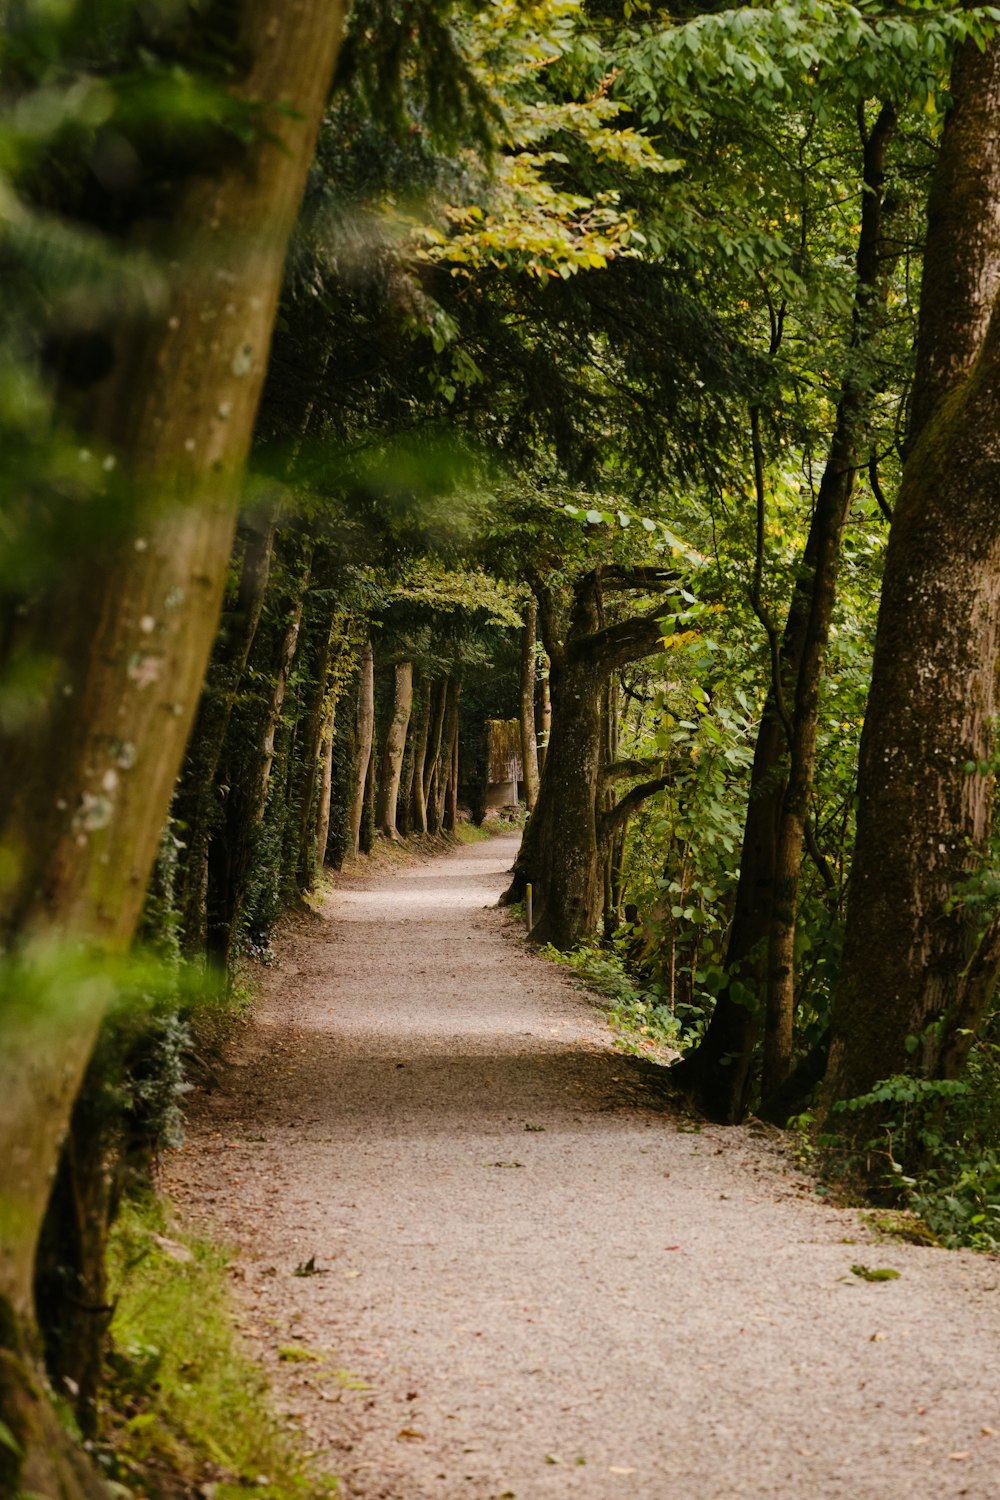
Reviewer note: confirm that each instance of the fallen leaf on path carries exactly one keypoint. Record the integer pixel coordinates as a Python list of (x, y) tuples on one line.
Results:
[(959, 1456), (614, 1470), (410, 1435), (877, 1337), (875, 1273), (987, 1432)]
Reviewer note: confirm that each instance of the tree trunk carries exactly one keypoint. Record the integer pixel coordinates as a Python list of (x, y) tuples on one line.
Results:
[(392, 753), (365, 736), (317, 737), (449, 821), (87, 785), (198, 788), (418, 808), (760, 950), (545, 717), (917, 962), (433, 765), (529, 747), (322, 834), (567, 834)]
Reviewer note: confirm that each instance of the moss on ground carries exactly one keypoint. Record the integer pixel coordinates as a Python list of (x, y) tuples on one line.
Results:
[(187, 1411)]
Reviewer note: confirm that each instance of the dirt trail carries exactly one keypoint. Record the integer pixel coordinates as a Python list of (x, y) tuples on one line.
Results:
[(536, 1282)]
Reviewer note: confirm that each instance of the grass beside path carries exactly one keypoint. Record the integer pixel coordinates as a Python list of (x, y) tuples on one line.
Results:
[(187, 1411)]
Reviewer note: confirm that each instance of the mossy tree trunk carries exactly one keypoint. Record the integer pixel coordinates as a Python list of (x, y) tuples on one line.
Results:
[(88, 782), (918, 960)]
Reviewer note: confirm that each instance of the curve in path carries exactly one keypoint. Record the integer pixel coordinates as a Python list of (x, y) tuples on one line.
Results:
[(534, 1280)]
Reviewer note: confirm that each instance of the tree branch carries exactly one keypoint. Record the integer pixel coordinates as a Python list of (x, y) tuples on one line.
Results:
[(623, 810), (626, 641), (618, 770)]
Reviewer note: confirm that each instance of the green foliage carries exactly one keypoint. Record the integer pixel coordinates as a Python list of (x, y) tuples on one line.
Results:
[(945, 1132), (184, 1397), (639, 1014)]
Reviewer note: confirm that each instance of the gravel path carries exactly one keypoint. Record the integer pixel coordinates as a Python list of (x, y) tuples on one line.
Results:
[(536, 1281)]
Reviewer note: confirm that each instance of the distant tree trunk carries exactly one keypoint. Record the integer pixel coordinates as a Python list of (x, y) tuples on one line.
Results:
[(529, 747), (918, 960), (232, 851), (198, 788), (432, 766), (322, 834), (449, 818), (562, 851), (365, 734), (87, 785), (418, 808), (760, 951), (392, 754), (545, 719), (317, 747)]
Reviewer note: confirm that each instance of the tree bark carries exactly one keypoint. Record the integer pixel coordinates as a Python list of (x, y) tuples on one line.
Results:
[(529, 746), (916, 962), (449, 820), (418, 810), (365, 735), (760, 950), (433, 764), (392, 753), (88, 783)]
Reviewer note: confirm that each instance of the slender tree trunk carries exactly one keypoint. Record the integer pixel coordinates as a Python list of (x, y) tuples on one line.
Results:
[(529, 747), (322, 833), (232, 850), (198, 788), (392, 754), (434, 758), (317, 736), (365, 734), (87, 785), (545, 717), (449, 820), (418, 813), (760, 951), (918, 960)]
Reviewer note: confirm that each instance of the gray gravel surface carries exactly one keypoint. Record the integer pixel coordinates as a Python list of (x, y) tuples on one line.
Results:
[(535, 1279)]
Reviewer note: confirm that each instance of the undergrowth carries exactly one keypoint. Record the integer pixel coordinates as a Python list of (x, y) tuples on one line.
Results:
[(639, 1015), (187, 1413), (940, 1145)]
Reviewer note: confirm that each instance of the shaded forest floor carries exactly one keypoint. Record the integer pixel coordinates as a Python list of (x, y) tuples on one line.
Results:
[(525, 1274)]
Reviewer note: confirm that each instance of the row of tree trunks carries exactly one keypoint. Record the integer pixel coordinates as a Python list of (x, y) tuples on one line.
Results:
[(760, 950), (88, 783)]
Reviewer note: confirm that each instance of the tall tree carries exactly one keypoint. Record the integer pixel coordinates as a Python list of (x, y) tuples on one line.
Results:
[(89, 779), (920, 961)]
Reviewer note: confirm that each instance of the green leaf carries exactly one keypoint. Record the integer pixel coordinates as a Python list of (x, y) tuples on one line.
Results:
[(875, 1273)]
